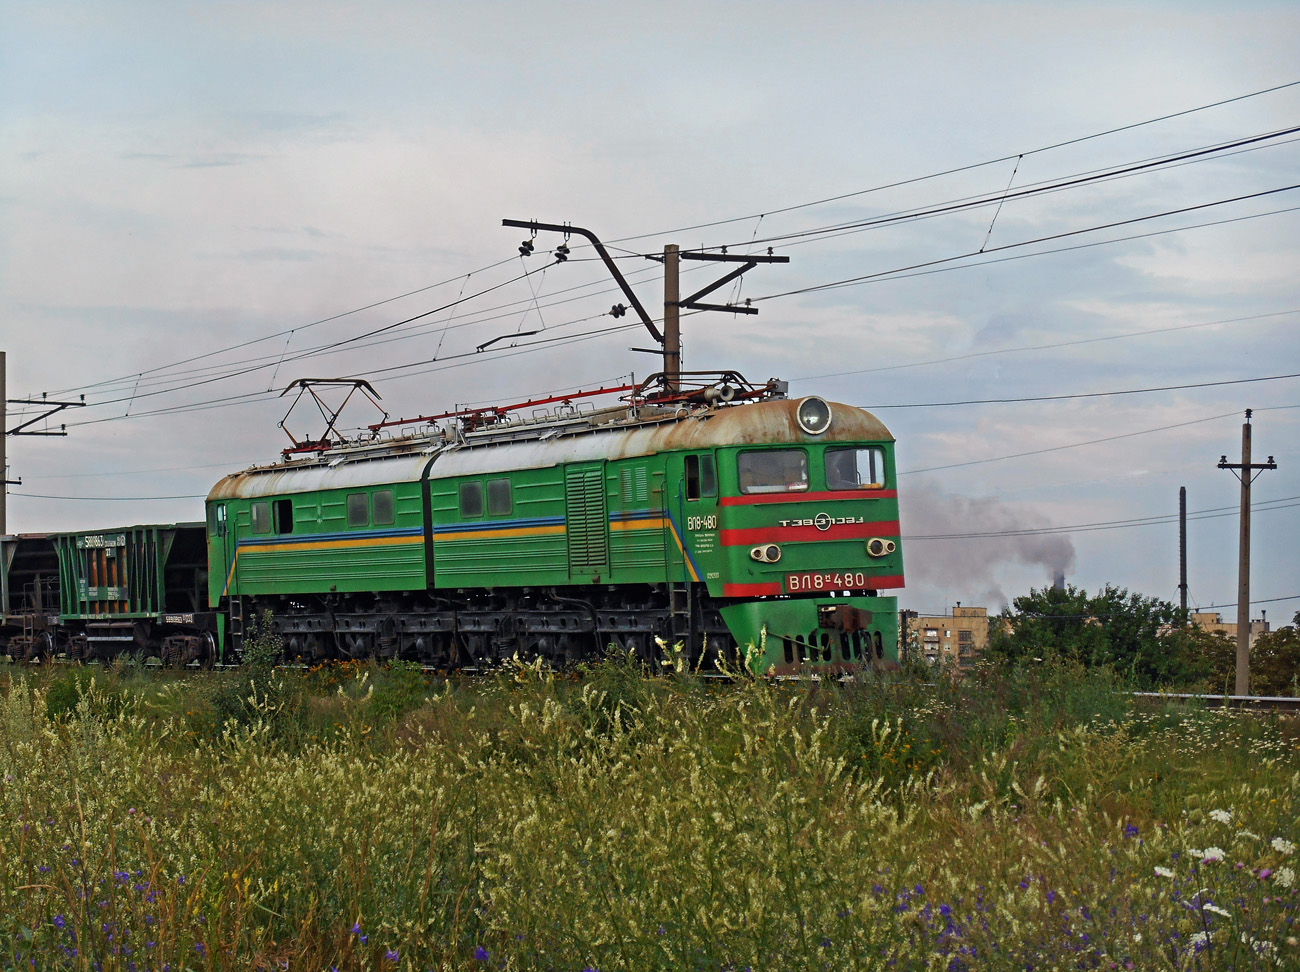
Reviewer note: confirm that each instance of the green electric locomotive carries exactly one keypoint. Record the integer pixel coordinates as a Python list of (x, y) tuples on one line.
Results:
[(746, 528)]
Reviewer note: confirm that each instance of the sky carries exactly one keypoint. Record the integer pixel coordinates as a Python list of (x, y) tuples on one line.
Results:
[(201, 202)]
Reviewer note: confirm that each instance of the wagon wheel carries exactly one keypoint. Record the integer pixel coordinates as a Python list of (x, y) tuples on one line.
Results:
[(39, 649), (78, 649), (173, 653), (207, 650)]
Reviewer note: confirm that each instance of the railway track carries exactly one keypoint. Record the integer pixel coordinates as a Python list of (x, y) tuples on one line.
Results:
[(1249, 703)]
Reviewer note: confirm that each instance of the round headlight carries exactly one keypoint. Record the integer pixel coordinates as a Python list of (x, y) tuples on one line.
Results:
[(813, 415)]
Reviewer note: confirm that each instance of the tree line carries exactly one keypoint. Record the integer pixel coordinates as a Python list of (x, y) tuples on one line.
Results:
[(1151, 642)]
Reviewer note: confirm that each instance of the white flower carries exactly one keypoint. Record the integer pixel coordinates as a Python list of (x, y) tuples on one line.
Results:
[(1216, 910), (1211, 854), (1200, 938), (1283, 846), (1284, 876), (1222, 816), (1247, 833), (1164, 872)]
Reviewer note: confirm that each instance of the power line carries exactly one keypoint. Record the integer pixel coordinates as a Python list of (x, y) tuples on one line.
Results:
[(1078, 395), (1069, 445), (1253, 600), (286, 331), (1086, 442), (864, 278), (1050, 186), (1164, 519), (1046, 347), (963, 168)]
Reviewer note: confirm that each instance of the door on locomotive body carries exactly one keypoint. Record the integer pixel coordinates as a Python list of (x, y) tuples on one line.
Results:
[(691, 508), (221, 551)]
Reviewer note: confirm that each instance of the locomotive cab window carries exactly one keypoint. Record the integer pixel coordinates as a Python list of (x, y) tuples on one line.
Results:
[(358, 510), (471, 499), (498, 497), (855, 468), (283, 510), (384, 511), (217, 520), (701, 477), (773, 471), (261, 516)]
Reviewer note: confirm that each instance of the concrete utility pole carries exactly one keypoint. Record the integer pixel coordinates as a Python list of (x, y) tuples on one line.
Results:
[(1182, 550), (672, 320), (1246, 475), (23, 428)]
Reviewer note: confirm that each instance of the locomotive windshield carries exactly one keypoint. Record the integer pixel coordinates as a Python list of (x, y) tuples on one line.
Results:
[(775, 471), (855, 468)]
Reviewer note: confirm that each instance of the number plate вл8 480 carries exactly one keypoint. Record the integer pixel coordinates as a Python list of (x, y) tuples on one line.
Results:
[(826, 580)]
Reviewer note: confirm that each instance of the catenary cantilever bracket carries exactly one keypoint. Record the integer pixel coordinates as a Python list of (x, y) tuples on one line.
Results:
[(590, 237)]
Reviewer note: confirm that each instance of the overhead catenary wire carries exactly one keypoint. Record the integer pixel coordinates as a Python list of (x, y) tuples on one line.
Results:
[(863, 278), (1163, 519), (997, 199), (1078, 395), (963, 168), (378, 303)]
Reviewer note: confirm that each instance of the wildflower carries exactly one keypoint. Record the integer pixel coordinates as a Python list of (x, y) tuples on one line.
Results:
[(1285, 877), (356, 928), (1283, 846), (59, 922), (1164, 872), (1211, 907), (1130, 830), (1221, 816), (390, 955), (1211, 855), (1264, 874), (481, 954), (198, 947)]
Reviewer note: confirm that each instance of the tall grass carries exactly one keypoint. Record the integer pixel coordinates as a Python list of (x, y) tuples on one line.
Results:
[(367, 818)]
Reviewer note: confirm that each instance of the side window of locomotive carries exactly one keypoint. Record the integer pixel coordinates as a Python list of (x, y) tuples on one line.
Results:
[(216, 521), (692, 477), (358, 510), (701, 477), (384, 509), (708, 476), (855, 468), (773, 471), (283, 510), (261, 517), (471, 499), (498, 497)]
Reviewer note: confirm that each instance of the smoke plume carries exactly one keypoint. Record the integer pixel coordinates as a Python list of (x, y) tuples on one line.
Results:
[(970, 565)]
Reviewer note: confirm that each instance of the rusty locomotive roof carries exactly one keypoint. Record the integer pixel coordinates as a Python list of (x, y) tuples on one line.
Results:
[(539, 444)]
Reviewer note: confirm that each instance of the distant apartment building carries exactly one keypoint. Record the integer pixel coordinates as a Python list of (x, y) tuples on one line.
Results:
[(954, 641), (1213, 622)]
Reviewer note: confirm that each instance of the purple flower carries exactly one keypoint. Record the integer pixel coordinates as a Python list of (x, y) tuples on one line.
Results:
[(198, 947), (481, 954), (1130, 830), (390, 955), (59, 922), (1265, 874), (356, 928)]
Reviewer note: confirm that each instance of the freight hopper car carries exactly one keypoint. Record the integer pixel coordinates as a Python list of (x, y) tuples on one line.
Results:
[(771, 524), (94, 595)]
